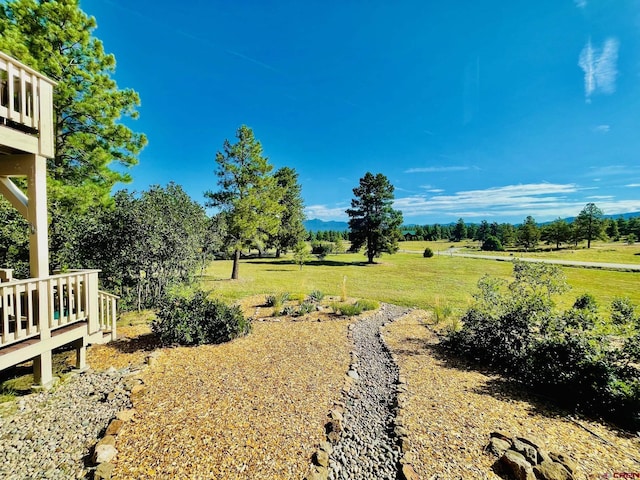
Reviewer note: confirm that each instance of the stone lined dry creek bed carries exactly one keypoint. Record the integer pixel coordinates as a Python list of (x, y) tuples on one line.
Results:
[(256, 408)]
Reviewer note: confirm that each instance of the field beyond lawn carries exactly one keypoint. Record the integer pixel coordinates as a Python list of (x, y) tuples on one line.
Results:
[(404, 278)]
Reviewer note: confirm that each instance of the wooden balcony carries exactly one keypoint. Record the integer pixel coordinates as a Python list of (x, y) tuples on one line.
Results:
[(40, 314), (26, 109)]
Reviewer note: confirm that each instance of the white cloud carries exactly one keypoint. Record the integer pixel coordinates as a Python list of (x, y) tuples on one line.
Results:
[(602, 128), (633, 185), (325, 213), (599, 66), (580, 3), (435, 169), (610, 171), (510, 200), (600, 197)]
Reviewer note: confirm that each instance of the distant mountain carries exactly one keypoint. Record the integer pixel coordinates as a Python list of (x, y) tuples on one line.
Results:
[(317, 225)]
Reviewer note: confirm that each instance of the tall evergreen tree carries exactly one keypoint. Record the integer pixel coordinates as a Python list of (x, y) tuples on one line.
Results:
[(373, 222), (589, 223), (55, 38), (459, 231), (556, 232), (528, 233), (248, 194), (291, 230)]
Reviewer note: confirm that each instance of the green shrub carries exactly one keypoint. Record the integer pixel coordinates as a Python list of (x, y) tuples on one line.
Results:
[(492, 244), (196, 320), (586, 301), (347, 309), (516, 331), (316, 296), (367, 305), (622, 311), (428, 253), (321, 249)]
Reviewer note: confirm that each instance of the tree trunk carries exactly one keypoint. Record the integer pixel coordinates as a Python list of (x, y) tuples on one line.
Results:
[(236, 262), (370, 257), (278, 252)]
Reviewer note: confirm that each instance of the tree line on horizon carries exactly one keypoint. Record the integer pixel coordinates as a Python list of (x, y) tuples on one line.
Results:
[(588, 226)]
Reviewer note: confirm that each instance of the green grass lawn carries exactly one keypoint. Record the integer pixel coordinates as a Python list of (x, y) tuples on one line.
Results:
[(405, 279)]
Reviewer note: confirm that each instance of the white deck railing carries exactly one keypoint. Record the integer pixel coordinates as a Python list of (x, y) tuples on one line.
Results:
[(107, 312), (70, 297), (26, 99)]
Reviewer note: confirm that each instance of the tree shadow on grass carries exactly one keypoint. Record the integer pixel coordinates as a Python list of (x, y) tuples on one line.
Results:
[(312, 263)]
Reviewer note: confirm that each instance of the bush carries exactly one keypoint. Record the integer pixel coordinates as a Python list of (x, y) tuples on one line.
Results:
[(196, 320), (347, 309), (321, 249), (516, 331), (622, 311), (586, 301), (367, 305), (492, 244), (428, 253)]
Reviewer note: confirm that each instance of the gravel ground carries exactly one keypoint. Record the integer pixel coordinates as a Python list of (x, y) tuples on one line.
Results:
[(52, 433), (367, 448)]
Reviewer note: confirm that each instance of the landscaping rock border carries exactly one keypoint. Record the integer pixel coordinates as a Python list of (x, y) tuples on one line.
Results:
[(365, 437), (524, 458), (104, 451)]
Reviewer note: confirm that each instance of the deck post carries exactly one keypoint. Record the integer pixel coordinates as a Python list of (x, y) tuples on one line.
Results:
[(81, 354), (38, 239), (43, 369)]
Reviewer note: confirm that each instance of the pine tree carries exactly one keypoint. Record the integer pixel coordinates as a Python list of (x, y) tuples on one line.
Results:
[(373, 222), (249, 194), (55, 38), (291, 230)]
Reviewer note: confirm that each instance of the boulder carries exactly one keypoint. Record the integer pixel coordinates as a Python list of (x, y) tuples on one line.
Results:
[(526, 449), (497, 446), (104, 471), (321, 458), (517, 466), (104, 453), (551, 470)]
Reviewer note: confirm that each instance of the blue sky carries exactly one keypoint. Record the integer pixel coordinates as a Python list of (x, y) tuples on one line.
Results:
[(482, 110)]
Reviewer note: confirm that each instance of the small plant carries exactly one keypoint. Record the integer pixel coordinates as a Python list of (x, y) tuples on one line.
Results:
[(289, 311), (428, 253), (276, 300), (441, 310), (316, 296), (367, 305), (306, 307), (343, 289)]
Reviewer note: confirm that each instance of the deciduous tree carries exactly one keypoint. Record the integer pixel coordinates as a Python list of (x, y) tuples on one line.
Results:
[(372, 220)]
